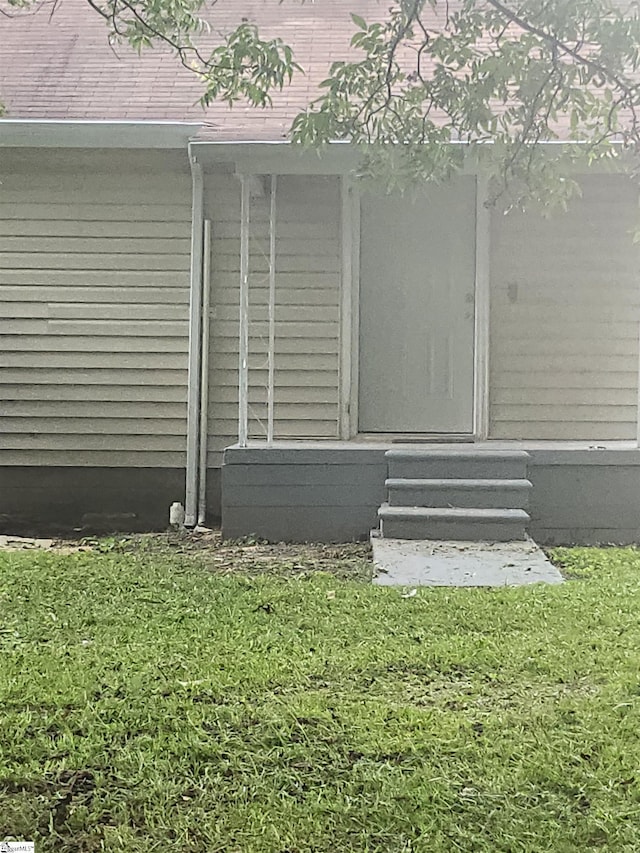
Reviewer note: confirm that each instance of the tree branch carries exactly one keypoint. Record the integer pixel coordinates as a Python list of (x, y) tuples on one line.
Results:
[(594, 67)]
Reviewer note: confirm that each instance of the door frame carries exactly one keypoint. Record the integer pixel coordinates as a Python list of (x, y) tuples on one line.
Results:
[(349, 364)]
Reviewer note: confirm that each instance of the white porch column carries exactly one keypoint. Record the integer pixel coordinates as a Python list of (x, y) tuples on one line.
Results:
[(482, 310), (243, 363), (272, 309), (349, 309)]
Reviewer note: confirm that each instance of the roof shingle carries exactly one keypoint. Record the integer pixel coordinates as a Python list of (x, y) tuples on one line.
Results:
[(61, 66)]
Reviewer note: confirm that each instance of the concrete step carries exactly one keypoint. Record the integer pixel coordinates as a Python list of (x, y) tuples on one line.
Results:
[(457, 464), (482, 494), (457, 525)]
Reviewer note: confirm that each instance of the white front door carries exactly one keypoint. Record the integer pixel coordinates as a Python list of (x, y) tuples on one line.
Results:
[(417, 282)]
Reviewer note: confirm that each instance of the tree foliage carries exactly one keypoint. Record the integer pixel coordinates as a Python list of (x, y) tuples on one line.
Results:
[(434, 82), (498, 77)]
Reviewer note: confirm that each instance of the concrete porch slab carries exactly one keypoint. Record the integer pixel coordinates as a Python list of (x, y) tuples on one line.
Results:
[(403, 562)]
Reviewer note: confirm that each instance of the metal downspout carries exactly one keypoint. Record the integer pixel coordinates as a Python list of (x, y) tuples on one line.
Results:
[(204, 375), (195, 340)]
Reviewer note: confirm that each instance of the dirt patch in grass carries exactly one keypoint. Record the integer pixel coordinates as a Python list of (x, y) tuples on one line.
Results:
[(350, 561)]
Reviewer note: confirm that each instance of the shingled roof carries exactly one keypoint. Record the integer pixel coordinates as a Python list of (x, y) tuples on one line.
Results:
[(60, 66)]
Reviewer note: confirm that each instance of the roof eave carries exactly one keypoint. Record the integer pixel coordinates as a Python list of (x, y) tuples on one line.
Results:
[(54, 133)]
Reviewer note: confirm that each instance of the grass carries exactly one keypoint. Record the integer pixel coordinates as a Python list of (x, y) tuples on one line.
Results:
[(148, 703)]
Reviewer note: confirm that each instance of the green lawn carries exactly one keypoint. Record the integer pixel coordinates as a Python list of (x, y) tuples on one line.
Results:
[(148, 702)]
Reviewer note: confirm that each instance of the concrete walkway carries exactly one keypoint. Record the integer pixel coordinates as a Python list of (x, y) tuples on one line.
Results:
[(403, 562), (24, 543)]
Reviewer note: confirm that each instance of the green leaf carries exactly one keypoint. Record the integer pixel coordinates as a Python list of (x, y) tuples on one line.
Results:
[(359, 21)]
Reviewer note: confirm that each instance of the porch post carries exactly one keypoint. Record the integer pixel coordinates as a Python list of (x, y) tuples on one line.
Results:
[(272, 309), (347, 425), (482, 312), (243, 364)]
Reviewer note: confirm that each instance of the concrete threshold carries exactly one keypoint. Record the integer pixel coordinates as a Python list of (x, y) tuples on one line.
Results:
[(413, 563)]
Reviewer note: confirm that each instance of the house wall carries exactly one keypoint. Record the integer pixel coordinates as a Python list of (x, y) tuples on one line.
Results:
[(565, 318), (564, 314), (308, 282), (91, 499), (94, 290)]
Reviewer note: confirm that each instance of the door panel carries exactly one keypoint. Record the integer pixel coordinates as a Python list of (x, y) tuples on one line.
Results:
[(417, 274)]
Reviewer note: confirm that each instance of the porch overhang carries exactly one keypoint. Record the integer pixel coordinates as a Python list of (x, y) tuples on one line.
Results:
[(265, 158), (339, 157)]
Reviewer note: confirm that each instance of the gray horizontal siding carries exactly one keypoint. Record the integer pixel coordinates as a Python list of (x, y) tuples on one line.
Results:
[(308, 282), (94, 291), (565, 318)]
